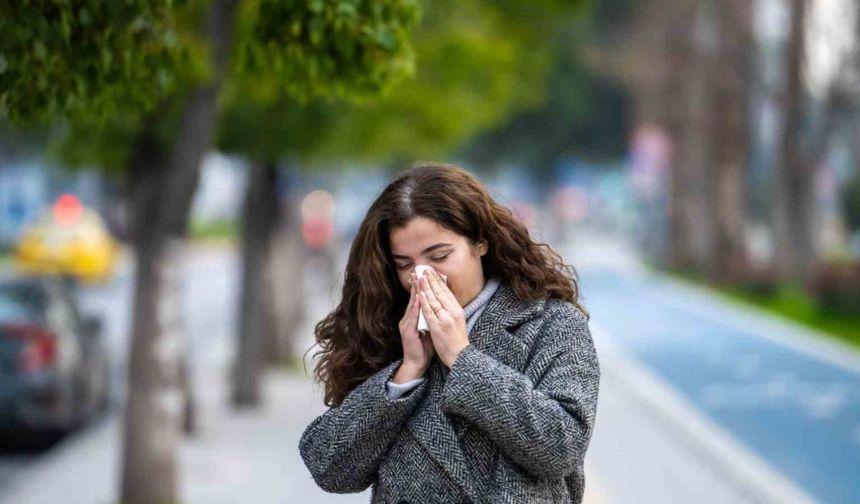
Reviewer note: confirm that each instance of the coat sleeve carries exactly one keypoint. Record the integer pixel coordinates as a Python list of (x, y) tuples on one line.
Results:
[(344, 446), (544, 426)]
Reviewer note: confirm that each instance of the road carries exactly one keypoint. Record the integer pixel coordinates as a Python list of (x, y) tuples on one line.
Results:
[(209, 295), (785, 399)]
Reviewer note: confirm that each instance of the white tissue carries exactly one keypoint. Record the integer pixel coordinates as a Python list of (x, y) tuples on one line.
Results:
[(419, 272)]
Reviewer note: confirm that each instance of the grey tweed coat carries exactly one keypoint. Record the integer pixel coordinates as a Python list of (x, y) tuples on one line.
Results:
[(510, 423)]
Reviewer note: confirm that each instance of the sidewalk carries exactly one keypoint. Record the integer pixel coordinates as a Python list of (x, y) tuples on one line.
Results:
[(254, 458), (246, 457)]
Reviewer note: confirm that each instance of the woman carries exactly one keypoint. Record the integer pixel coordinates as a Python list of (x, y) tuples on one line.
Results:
[(497, 403)]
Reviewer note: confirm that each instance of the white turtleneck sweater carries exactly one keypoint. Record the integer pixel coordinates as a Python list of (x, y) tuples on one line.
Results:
[(472, 311)]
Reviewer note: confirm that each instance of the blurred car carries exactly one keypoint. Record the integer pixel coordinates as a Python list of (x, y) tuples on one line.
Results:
[(54, 365), (69, 239)]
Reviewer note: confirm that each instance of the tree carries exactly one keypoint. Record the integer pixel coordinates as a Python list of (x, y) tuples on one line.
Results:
[(803, 144), (658, 57), (144, 66), (792, 202), (476, 66), (584, 111), (688, 71), (729, 104)]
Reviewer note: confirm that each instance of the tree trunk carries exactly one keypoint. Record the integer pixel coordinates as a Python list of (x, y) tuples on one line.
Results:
[(259, 219), (729, 105), (154, 408), (793, 196), (288, 277), (660, 60), (695, 143), (163, 184), (680, 95), (153, 399)]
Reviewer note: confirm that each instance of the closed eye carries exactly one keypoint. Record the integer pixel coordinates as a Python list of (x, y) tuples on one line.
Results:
[(402, 266)]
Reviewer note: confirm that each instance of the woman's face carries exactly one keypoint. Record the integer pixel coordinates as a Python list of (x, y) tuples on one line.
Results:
[(424, 241)]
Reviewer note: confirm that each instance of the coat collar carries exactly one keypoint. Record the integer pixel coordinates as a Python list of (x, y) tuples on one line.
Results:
[(508, 310)]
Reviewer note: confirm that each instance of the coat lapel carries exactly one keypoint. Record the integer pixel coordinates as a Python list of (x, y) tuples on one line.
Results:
[(435, 431), (432, 427), (493, 333)]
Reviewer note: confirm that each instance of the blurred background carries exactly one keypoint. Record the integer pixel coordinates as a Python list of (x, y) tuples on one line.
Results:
[(180, 183)]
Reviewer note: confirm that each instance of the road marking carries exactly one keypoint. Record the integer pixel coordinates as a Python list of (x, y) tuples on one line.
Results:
[(716, 446)]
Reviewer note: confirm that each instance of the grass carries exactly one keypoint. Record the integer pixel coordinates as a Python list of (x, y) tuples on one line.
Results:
[(7, 259), (794, 304), (294, 364), (214, 231)]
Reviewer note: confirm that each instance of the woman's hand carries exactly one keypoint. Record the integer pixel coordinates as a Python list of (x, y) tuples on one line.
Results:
[(417, 350), (445, 317)]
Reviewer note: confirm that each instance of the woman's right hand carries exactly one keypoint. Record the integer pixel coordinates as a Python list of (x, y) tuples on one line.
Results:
[(417, 350)]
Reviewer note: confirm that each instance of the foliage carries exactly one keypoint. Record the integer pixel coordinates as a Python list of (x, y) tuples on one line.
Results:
[(478, 62), (214, 231), (584, 114), (328, 48), (297, 63), (279, 57), (91, 58)]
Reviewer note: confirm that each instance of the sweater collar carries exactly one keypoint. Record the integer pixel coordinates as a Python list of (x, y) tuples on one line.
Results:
[(482, 298)]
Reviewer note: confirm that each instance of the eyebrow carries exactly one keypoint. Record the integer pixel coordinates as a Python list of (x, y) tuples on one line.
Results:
[(426, 251)]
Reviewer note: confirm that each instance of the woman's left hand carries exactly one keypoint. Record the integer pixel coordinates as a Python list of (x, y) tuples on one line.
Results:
[(445, 317)]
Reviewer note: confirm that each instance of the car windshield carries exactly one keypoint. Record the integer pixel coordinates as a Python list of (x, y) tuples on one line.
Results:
[(21, 303)]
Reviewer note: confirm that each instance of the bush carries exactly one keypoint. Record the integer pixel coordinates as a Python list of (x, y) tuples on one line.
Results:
[(759, 282), (851, 202), (837, 287)]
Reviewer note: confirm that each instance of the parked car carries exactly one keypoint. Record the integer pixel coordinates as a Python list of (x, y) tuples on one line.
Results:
[(54, 364), (68, 239)]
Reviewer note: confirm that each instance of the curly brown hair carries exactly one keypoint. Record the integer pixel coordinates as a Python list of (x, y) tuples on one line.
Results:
[(361, 336)]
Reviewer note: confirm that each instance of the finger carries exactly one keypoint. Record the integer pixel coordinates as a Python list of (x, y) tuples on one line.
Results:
[(411, 313), (433, 311), (432, 320), (443, 284), (427, 288), (411, 298), (416, 306), (412, 309), (443, 294)]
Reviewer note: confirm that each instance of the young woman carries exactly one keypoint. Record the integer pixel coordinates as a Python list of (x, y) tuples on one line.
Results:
[(497, 403)]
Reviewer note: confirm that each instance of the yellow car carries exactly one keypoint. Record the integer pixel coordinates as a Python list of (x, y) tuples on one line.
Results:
[(68, 239)]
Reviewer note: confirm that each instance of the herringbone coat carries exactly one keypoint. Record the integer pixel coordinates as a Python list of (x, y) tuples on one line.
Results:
[(510, 423)]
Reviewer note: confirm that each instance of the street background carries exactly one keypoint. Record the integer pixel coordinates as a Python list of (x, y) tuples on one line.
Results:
[(187, 178)]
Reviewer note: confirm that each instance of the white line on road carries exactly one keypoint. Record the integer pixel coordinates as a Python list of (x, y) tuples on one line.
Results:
[(715, 446)]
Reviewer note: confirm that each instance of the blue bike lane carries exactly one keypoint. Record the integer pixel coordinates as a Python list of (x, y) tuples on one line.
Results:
[(796, 410)]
